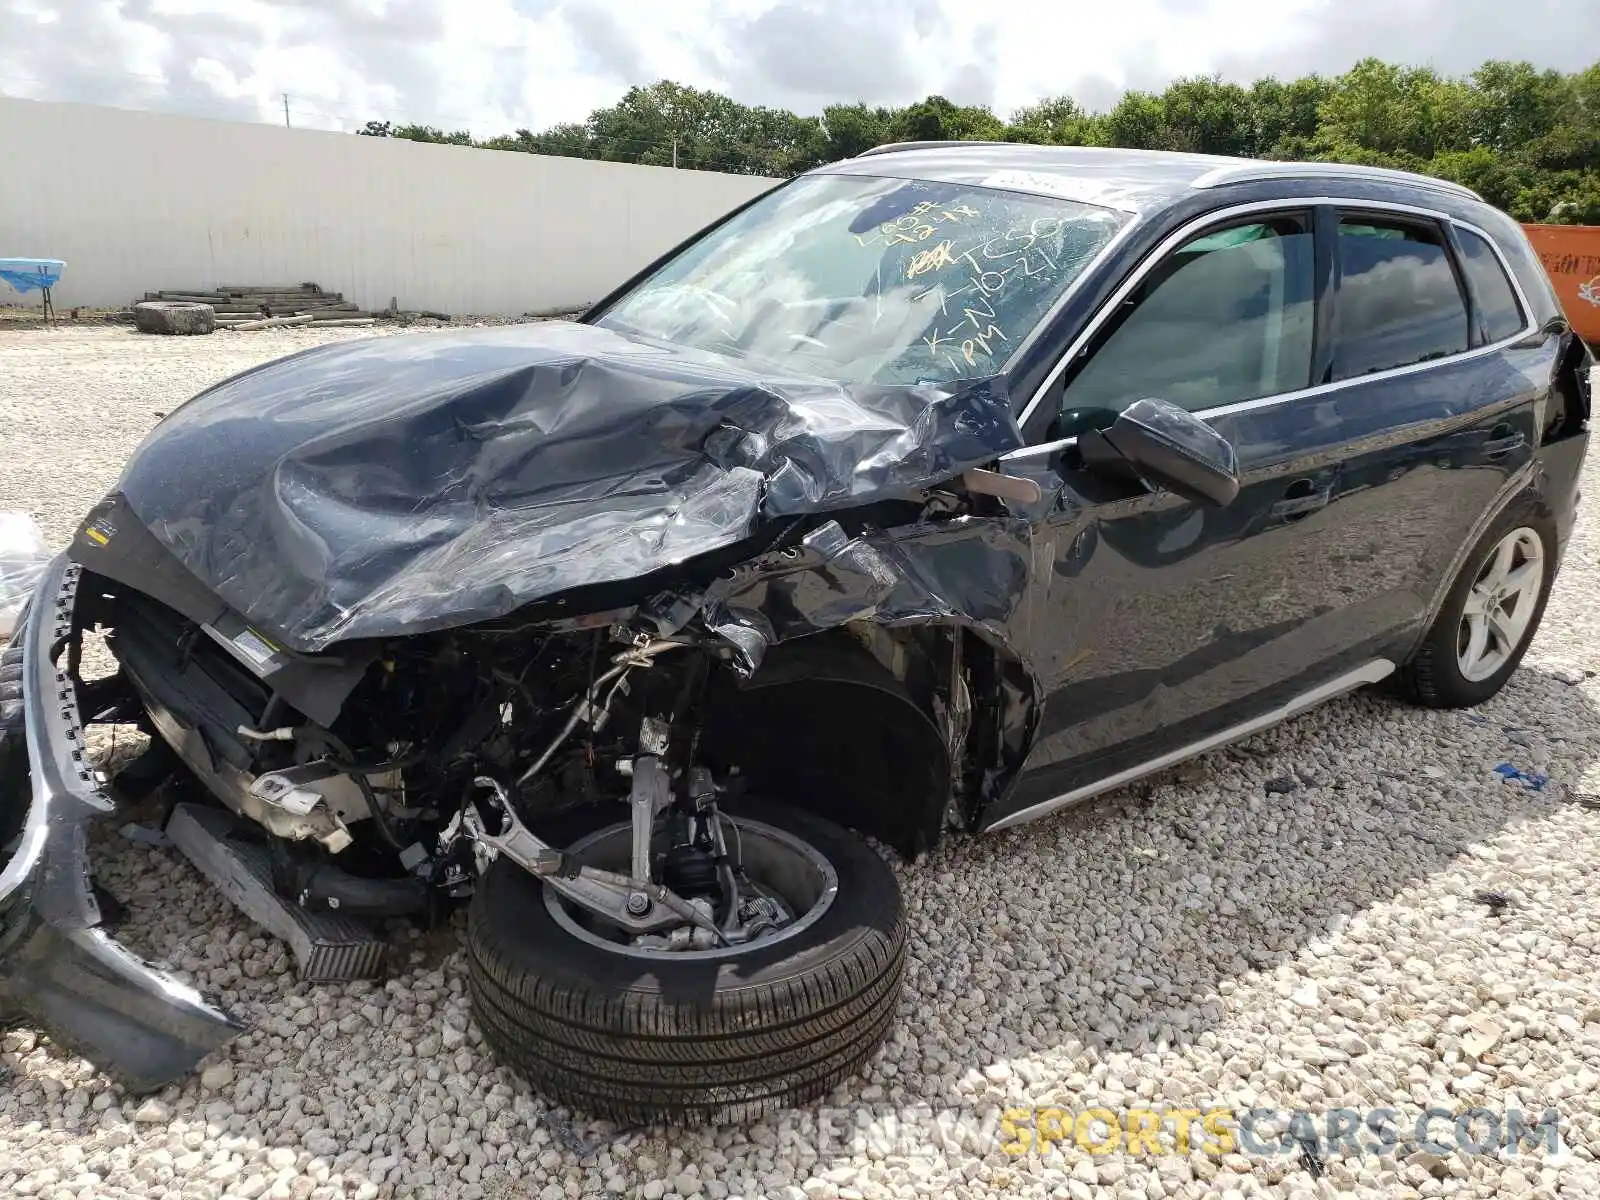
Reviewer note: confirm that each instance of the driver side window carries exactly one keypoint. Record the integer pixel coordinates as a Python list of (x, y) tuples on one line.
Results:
[(1228, 316)]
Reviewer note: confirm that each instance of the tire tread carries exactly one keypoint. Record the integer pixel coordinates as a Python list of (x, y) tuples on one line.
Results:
[(644, 1054)]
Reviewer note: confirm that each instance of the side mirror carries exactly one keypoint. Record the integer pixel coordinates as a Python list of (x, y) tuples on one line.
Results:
[(1165, 446)]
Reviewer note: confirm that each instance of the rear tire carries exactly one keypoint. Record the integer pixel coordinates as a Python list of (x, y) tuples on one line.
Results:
[(1444, 672), (685, 1038)]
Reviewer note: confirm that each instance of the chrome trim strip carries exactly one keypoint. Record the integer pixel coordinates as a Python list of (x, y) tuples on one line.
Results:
[(1092, 326), (1372, 672), (903, 147), (1246, 172)]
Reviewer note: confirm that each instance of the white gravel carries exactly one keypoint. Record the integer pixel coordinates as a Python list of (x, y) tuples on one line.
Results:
[(1194, 942)]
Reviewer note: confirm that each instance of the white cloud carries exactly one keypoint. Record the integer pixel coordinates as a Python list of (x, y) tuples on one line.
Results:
[(496, 65)]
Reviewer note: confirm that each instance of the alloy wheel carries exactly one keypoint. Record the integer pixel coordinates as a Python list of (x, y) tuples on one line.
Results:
[(1500, 605)]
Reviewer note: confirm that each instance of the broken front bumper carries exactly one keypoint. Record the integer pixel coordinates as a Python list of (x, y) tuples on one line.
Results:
[(58, 970)]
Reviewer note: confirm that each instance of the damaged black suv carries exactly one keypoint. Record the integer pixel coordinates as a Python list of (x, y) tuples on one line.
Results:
[(932, 490)]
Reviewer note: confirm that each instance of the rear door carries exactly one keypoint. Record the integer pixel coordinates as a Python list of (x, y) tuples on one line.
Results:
[(1436, 417)]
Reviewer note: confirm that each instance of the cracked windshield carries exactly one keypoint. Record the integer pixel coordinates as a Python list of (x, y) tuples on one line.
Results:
[(873, 280)]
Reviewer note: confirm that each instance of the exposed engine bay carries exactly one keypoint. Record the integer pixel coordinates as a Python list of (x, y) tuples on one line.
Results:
[(445, 753), (388, 774)]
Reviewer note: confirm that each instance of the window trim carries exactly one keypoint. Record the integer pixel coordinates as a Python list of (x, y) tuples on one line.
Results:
[(1506, 273), (1476, 332), (1441, 229), (1117, 317), (1190, 228)]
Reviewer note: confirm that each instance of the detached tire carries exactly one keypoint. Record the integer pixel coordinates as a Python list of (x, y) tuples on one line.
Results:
[(1499, 597), (684, 1037)]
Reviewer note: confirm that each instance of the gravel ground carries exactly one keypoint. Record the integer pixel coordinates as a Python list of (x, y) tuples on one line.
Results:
[(1350, 911)]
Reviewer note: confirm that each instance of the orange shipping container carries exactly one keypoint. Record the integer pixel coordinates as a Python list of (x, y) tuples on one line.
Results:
[(1571, 257)]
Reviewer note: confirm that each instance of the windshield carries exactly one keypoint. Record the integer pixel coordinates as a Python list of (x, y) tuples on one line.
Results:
[(865, 280)]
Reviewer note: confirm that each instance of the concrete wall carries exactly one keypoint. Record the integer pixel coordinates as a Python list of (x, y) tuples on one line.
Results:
[(138, 202)]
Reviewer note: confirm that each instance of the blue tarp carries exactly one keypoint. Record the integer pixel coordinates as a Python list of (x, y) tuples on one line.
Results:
[(31, 274)]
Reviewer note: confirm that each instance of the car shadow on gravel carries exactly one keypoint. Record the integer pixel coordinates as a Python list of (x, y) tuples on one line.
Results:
[(1153, 896)]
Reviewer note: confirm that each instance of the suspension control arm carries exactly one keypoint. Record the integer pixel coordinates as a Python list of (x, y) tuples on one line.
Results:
[(605, 893)]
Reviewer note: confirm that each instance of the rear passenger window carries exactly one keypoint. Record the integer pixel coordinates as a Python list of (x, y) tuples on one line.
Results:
[(1502, 315), (1399, 302)]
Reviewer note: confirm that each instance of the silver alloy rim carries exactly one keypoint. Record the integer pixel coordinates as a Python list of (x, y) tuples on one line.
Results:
[(1500, 604), (777, 860)]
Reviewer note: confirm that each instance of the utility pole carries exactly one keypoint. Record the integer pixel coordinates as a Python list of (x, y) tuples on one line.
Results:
[(286, 110), (674, 153)]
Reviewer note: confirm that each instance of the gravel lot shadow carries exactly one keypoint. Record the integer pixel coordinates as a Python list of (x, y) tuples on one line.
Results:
[(1157, 896)]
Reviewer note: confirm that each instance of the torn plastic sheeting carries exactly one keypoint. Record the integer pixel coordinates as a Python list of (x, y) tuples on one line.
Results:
[(1532, 780), (395, 485), (971, 572), (23, 557)]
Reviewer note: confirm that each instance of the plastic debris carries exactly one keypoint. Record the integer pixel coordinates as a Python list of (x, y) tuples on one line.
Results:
[(145, 835), (31, 274), (23, 555), (1481, 1035), (1495, 902), (570, 1137), (1310, 1155), (1534, 781)]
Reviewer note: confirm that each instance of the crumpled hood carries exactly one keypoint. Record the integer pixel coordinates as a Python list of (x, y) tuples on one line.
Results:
[(395, 485)]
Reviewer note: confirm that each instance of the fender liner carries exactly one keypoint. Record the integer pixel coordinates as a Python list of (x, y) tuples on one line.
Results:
[(825, 726)]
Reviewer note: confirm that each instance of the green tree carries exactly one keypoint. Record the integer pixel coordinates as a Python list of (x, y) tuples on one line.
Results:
[(1403, 115), (848, 129), (1137, 121), (424, 133), (1495, 177), (1525, 139), (568, 141), (1284, 115), (1206, 116), (1055, 122), (1513, 104), (938, 120)]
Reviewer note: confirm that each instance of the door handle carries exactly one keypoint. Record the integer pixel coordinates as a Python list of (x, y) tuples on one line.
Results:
[(1502, 440), (1302, 498)]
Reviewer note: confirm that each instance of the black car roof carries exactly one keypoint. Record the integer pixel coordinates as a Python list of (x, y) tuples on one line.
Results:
[(1137, 181)]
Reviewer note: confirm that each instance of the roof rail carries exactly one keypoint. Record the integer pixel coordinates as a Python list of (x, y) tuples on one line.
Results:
[(1245, 172), (897, 147)]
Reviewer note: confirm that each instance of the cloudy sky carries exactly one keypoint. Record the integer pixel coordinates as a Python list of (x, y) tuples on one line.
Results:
[(494, 65)]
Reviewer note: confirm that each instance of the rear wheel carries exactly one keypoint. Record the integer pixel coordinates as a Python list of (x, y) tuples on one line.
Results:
[(646, 1033), (1490, 615)]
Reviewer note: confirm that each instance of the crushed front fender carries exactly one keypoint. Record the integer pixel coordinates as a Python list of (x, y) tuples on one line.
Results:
[(58, 970)]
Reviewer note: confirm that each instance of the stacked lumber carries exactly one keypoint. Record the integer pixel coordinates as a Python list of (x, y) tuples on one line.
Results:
[(245, 307)]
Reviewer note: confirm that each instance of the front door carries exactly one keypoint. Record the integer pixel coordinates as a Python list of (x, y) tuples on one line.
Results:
[(1155, 621)]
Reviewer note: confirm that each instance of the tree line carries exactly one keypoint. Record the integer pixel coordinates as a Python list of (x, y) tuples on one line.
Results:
[(1527, 140)]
